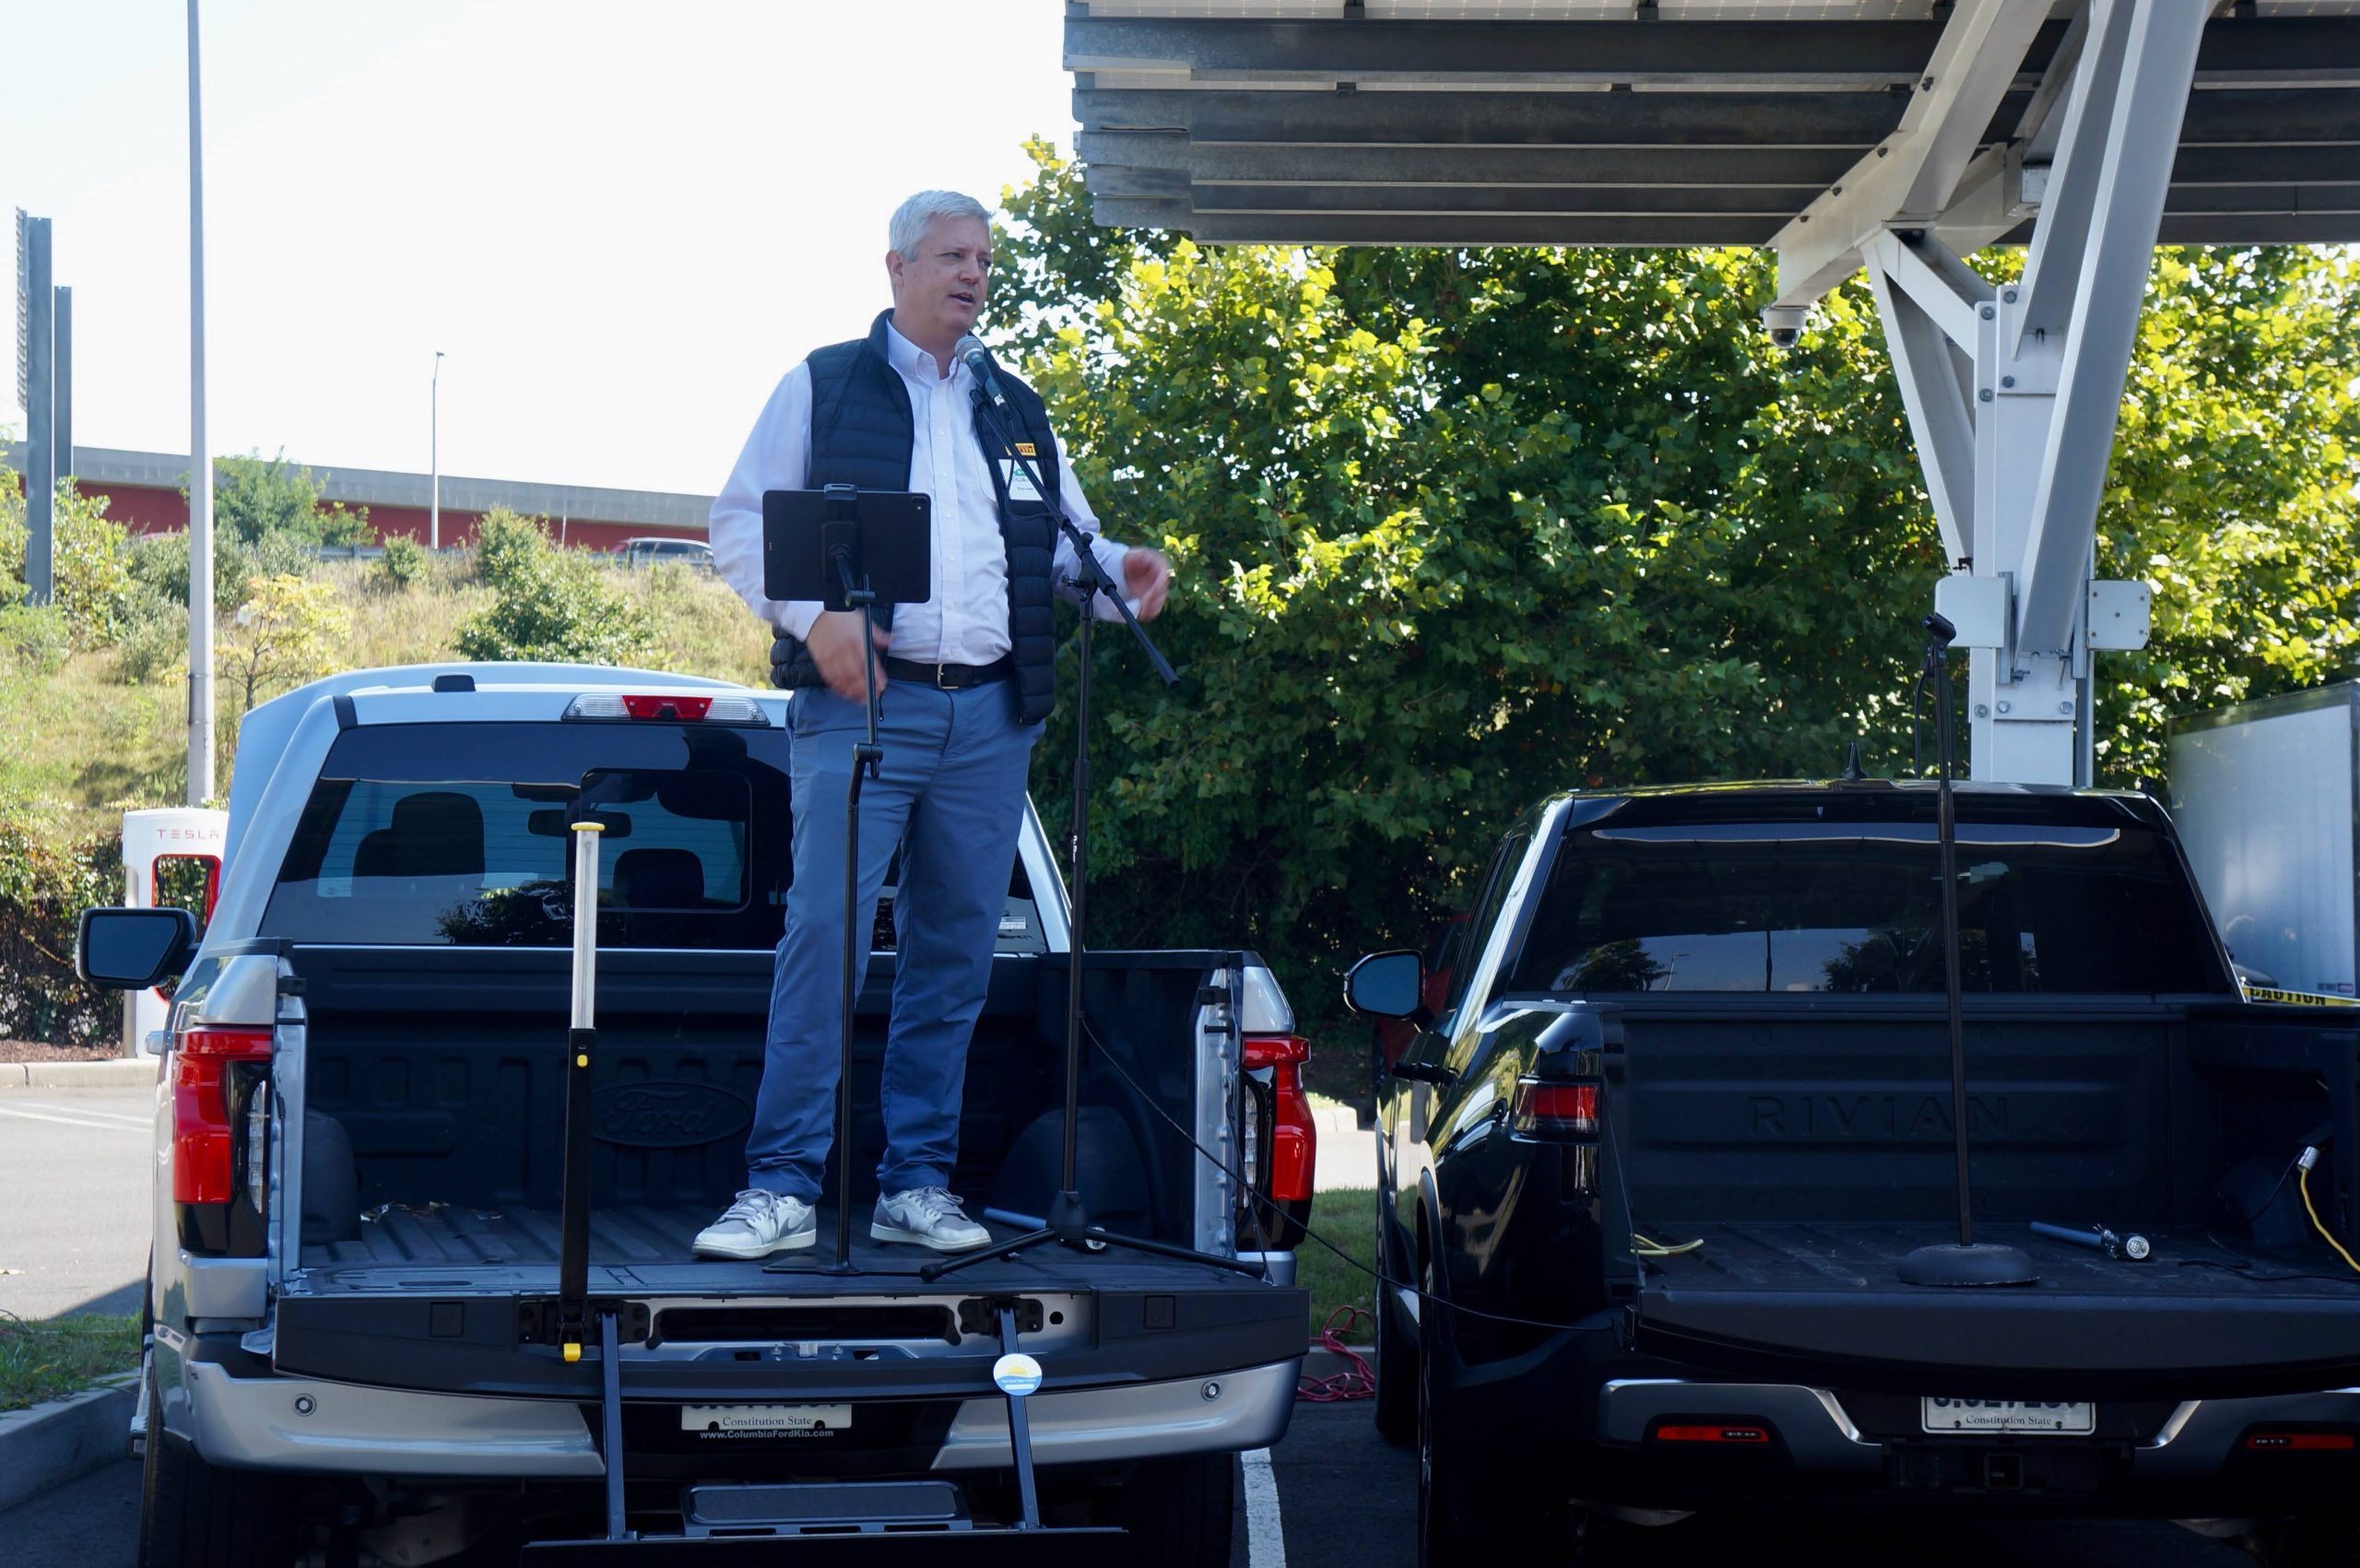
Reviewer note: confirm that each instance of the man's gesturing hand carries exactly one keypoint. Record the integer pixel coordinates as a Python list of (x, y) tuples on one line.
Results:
[(835, 647), (1147, 579)]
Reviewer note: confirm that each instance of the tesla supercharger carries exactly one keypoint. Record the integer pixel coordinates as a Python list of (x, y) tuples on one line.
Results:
[(179, 848)]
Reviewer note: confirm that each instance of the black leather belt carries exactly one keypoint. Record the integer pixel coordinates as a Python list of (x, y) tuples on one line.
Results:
[(950, 678)]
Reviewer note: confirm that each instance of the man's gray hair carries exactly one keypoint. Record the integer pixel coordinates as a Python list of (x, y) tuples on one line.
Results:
[(914, 216)]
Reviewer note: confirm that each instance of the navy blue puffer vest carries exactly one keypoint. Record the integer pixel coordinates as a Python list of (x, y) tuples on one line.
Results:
[(862, 433)]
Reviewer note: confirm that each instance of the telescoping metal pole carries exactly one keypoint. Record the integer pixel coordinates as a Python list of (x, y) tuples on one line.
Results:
[(581, 1049)]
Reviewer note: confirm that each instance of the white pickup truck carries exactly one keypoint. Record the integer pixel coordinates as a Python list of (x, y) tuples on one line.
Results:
[(360, 1126)]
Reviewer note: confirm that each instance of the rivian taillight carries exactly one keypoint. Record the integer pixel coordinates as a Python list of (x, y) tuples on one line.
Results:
[(1551, 1111)]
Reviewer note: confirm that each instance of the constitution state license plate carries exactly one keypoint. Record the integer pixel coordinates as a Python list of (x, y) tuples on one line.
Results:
[(765, 1421), (2031, 1417)]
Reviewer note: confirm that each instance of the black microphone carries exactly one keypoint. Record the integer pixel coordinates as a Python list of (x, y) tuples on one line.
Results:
[(970, 351)]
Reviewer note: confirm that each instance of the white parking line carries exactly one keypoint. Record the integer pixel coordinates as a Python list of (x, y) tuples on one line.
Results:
[(127, 1118), (1266, 1540), (70, 1121)]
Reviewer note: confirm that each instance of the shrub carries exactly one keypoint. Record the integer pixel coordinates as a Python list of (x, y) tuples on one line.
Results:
[(89, 562), (507, 546), (278, 555), (556, 605), (154, 640), (34, 639), (159, 565), (401, 566), (46, 880), (342, 525)]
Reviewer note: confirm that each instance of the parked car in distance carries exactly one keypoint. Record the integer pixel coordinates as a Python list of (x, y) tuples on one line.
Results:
[(659, 551), (1653, 1164)]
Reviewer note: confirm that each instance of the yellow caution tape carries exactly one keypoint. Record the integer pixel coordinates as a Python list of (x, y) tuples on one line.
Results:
[(2297, 998)]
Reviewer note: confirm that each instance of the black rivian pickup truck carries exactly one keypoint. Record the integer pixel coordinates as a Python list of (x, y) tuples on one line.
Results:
[(1654, 1168)]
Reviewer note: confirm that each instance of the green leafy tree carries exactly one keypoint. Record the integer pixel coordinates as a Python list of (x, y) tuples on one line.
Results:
[(291, 632), (1454, 528), (256, 498), (89, 563), (2232, 490)]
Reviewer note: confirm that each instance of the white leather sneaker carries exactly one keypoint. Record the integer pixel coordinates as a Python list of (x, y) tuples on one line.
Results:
[(926, 1217), (758, 1224)]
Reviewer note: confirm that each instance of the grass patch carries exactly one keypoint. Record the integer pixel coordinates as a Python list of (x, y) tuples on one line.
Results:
[(1347, 1217), (59, 1356)]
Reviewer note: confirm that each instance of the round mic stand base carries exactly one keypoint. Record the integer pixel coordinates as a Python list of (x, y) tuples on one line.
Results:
[(1974, 1262)]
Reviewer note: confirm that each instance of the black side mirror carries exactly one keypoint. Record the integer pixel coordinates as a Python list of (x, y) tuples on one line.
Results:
[(130, 949), (1388, 985)]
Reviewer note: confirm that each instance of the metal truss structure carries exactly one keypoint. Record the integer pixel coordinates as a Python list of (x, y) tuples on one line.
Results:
[(1900, 136)]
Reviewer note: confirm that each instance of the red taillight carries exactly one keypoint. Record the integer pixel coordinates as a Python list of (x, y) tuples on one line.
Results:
[(1294, 1139), (2301, 1442), (1555, 1110), (689, 708), (1711, 1432), (203, 1168), (1271, 1050)]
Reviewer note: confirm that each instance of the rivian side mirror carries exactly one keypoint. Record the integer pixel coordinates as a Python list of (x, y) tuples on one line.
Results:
[(1388, 985), (130, 949)]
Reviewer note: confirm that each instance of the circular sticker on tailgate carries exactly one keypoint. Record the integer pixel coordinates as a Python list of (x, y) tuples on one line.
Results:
[(1016, 1373)]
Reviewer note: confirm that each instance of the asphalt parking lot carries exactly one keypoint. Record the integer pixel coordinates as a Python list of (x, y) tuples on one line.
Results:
[(75, 1168), (1344, 1500)]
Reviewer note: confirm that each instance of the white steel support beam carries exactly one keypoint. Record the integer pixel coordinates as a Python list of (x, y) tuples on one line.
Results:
[(2012, 393), (1914, 172), (2116, 175), (1929, 313)]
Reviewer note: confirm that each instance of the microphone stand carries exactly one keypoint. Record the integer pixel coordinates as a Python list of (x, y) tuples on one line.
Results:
[(1967, 1262), (1069, 1221), (868, 758)]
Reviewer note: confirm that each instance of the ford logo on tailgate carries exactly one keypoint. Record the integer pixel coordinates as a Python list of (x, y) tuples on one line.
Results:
[(668, 1116)]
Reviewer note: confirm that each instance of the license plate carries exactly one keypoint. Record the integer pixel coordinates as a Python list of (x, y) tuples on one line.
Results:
[(765, 1421), (2029, 1416)]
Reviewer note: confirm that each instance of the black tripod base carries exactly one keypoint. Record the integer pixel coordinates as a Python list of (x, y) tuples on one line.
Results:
[(1069, 1225), (1976, 1262)]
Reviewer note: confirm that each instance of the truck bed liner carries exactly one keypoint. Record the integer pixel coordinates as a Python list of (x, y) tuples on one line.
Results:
[(1825, 1300), (1770, 1256), (650, 1248)]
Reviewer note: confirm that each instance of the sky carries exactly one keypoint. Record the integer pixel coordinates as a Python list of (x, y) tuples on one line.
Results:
[(620, 223)]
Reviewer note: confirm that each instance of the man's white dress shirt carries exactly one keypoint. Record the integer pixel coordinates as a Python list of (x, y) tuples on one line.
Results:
[(966, 620)]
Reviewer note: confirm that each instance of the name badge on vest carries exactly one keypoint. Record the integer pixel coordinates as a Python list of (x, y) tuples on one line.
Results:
[(1015, 481)]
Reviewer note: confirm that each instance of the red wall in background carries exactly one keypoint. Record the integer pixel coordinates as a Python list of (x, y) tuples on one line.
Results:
[(141, 510), (148, 510)]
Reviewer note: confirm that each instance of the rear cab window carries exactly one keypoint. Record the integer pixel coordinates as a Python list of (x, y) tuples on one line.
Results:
[(459, 835), (1841, 895)]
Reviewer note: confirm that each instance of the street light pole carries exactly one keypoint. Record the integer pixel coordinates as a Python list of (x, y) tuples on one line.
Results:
[(434, 456), (200, 461)]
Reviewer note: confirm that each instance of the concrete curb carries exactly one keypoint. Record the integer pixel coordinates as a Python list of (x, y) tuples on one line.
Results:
[(115, 1072), (1338, 1119), (55, 1442)]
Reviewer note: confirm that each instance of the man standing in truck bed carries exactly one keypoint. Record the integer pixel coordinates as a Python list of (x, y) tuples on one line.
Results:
[(970, 677)]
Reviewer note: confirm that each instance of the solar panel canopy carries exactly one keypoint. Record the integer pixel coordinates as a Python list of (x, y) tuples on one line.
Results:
[(1646, 122)]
